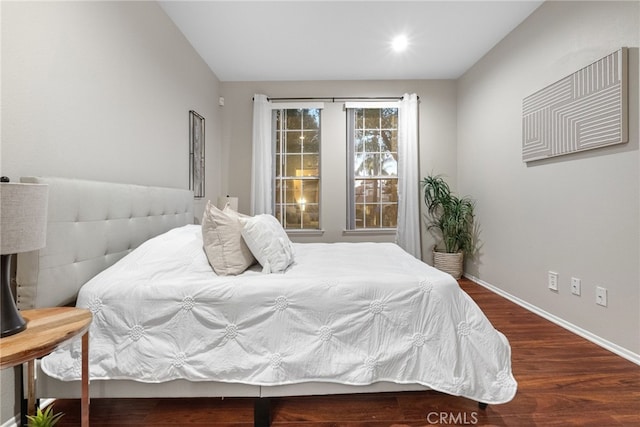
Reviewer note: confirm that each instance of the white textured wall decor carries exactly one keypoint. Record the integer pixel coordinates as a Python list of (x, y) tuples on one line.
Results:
[(585, 110)]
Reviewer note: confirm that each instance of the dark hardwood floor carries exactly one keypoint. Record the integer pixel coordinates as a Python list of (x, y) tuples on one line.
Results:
[(563, 380)]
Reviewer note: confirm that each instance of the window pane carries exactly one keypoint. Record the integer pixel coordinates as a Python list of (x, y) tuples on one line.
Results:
[(302, 208), (359, 119), (294, 119), (359, 191), (311, 119), (310, 191), (371, 140), (293, 164), (358, 165), (389, 190), (389, 140), (311, 141), (292, 217), (390, 215), (367, 164), (389, 164), (359, 142), (293, 141), (291, 193), (371, 216), (359, 216), (278, 191), (310, 163), (389, 118), (311, 216), (371, 190), (372, 118)]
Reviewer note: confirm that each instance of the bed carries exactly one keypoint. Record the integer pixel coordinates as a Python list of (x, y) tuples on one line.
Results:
[(342, 318)]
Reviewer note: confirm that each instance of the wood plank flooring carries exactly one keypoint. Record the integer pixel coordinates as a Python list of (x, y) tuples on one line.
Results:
[(563, 380)]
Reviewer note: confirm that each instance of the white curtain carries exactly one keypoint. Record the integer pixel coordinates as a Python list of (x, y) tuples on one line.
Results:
[(262, 162), (408, 230)]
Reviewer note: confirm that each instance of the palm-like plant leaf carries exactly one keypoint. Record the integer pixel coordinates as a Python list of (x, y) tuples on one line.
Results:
[(44, 419), (450, 215)]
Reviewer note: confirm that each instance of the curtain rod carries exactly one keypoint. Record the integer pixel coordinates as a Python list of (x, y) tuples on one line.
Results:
[(337, 98)]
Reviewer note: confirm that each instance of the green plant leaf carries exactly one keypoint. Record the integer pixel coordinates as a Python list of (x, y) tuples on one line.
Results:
[(450, 216), (44, 419)]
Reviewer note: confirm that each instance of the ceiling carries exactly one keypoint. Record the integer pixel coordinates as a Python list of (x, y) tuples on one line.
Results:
[(343, 40)]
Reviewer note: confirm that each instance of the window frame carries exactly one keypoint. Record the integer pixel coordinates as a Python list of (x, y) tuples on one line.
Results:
[(280, 208), (350, 109)]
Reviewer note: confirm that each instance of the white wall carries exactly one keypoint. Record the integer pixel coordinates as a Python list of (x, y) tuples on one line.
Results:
[(437, 139), (579, 214), (101, 90)]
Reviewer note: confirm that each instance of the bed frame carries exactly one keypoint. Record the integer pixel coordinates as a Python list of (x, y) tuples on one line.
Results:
[(91, 225)]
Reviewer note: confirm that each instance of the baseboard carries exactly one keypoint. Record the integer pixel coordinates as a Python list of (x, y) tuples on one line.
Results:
[(612, 347), (12, 422), (15, 421)]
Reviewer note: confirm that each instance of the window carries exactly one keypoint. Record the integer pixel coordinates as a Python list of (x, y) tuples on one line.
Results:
[(373, 168), (297, 167)]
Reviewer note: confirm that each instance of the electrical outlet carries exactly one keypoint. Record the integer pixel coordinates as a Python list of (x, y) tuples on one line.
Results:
[(576, 286), (553, 281), (601, 296)]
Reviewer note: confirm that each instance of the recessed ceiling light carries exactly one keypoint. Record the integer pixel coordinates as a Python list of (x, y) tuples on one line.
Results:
[(400, 43)]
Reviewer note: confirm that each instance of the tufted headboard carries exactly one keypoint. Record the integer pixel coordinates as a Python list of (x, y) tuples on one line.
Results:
[(91, 225)]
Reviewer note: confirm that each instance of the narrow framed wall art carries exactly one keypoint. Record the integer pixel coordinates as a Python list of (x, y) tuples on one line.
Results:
[(196, 154)]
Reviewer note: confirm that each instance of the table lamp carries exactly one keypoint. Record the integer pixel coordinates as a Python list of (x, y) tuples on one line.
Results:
[(23, 228), (232, 201)]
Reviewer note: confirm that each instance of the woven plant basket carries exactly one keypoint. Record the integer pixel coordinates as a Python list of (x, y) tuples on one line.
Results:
[(449, 263)]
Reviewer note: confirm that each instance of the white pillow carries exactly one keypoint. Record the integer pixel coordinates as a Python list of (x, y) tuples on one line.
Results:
[(222, 239), (268, 242)]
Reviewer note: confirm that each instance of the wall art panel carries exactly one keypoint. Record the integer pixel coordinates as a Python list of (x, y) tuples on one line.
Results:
[(585, 110)]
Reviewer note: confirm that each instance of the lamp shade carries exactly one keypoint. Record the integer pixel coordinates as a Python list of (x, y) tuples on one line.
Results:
[(232, 201), (23, 217)]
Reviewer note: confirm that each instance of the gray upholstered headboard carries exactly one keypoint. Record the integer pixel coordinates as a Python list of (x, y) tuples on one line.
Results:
[(91, 225)]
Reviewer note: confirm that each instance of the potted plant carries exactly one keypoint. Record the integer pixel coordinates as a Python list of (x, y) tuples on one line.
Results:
[(452, 217), (44, 419)]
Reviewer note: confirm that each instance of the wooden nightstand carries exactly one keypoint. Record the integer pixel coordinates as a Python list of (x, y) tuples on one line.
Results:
[(48, 329)]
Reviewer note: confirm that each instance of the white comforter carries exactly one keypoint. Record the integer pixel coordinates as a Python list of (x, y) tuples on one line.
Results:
[(351, 313)]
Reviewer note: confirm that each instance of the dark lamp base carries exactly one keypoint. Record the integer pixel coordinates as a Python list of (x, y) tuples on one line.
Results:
[(11, 322)]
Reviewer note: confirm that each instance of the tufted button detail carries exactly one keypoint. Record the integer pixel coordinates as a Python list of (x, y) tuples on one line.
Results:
[(418, 339), (95, 305), (188, 303), (281, 303), (275, 361), (376, 307), (370, 363), (463, 329), (426, 286), (231, 331), (179, 360), (136, 332), (325, 333)]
